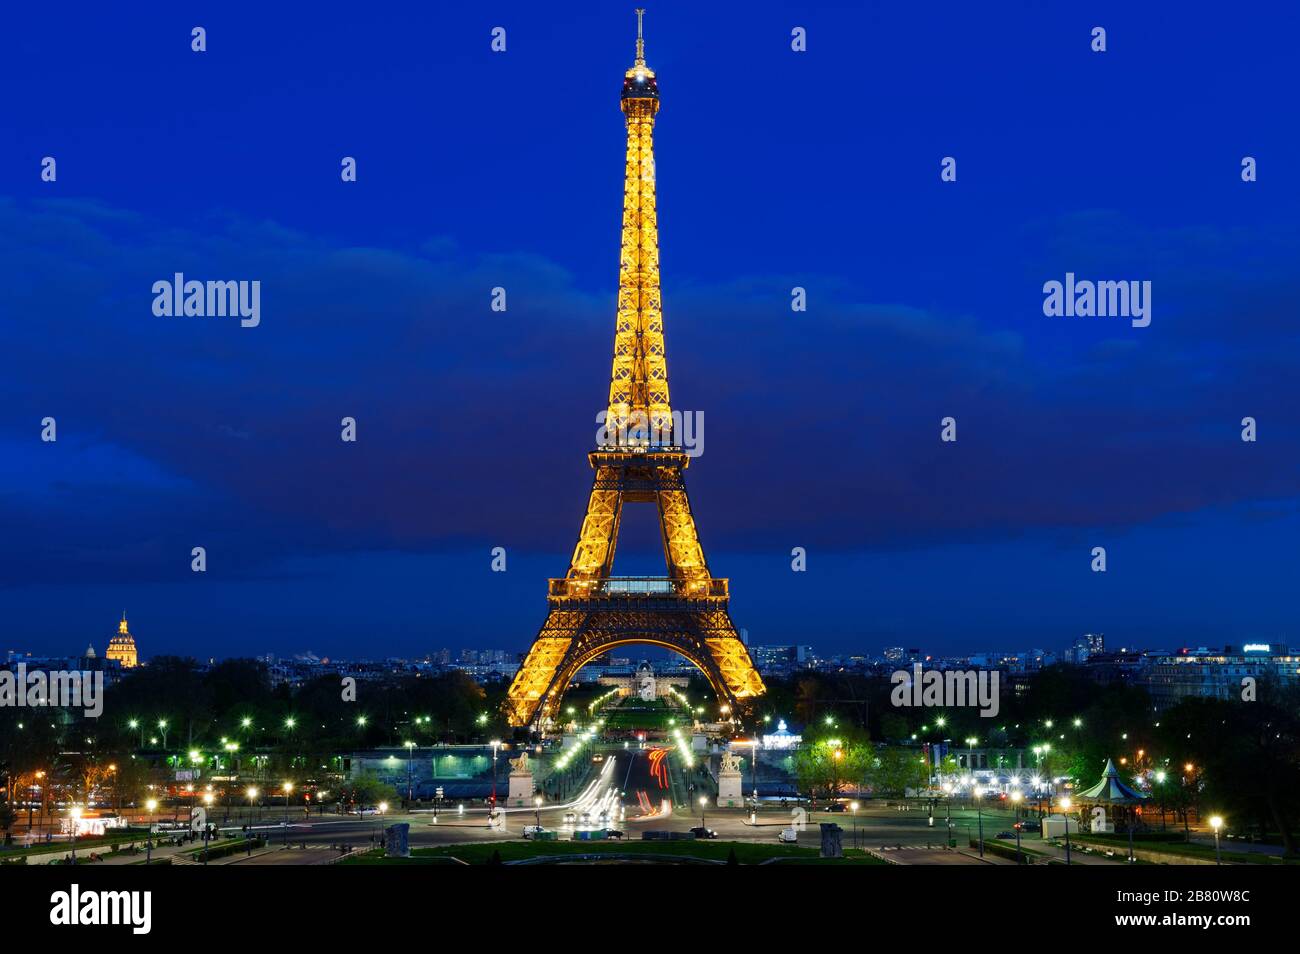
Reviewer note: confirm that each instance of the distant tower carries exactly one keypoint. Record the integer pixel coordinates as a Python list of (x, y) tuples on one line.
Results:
[(122, 646)]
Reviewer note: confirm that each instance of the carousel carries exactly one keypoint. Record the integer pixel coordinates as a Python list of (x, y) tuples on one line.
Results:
[(1120, 799)]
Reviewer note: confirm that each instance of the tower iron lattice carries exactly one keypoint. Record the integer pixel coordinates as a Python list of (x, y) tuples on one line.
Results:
[(638, 460)]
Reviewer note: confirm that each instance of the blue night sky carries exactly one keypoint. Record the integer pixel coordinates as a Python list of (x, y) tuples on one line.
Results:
[(775, 169)]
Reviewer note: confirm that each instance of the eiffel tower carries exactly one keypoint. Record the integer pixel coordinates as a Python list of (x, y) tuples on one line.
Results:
[(637, 460)]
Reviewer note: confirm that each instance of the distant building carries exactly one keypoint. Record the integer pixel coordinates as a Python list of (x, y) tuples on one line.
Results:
[(1122, 667), (1089, 644), (122, 647), (1216, 674), (782, 738), (645, 682), (782, 659)]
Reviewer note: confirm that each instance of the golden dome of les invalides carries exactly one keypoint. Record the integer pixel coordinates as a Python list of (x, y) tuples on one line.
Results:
[(122, 646)]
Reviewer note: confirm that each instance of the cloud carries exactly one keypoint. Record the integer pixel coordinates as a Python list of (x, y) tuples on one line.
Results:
[(821, 427)]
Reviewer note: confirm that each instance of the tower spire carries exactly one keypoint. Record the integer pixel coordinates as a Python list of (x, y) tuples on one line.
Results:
[(639, 410)]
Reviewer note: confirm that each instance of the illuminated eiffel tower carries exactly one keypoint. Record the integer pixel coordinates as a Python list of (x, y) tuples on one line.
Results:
[(640, 462)]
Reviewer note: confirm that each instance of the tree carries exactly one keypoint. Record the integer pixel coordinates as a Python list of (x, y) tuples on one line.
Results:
[(365, 790), (895, 769), (1254, 779), (834, 763)]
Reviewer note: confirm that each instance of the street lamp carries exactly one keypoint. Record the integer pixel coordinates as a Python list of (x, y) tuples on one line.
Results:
[(753, 754), (207, 829), (1216, 822), (537, 810), (1160, 781), (75, 814), (410, 750), (251, 794), (1065, 807), (853, 807), (152, 806), (1015, 800), (31, 793), (287, 788), (496, 744)]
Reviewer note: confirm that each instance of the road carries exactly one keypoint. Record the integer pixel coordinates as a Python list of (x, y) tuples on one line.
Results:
[(633, 790), (629, 791)]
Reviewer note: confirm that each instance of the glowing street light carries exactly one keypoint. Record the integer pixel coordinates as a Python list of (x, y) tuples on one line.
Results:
[(410, 752), (1216, 822), (1065, 807), (75, 813), (1016, 798), (496, 745), (152, 806)]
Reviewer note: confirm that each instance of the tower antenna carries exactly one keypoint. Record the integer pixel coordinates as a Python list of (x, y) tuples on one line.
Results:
[(640, 40)]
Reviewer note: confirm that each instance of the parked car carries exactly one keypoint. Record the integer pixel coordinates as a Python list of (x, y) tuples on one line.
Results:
[(699, 832), (531, 830), (837, 807), (787, 836), (613, 833)]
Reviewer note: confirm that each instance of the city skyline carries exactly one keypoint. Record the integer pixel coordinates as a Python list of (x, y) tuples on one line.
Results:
[(997, 488), (822, 426)]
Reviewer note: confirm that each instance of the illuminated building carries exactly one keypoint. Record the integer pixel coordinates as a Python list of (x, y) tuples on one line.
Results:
[(122, 647), (637, 460)]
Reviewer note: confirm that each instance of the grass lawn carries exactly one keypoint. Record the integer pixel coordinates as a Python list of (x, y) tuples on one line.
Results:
[(85, 843), (746, 853), (1119, 844)]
